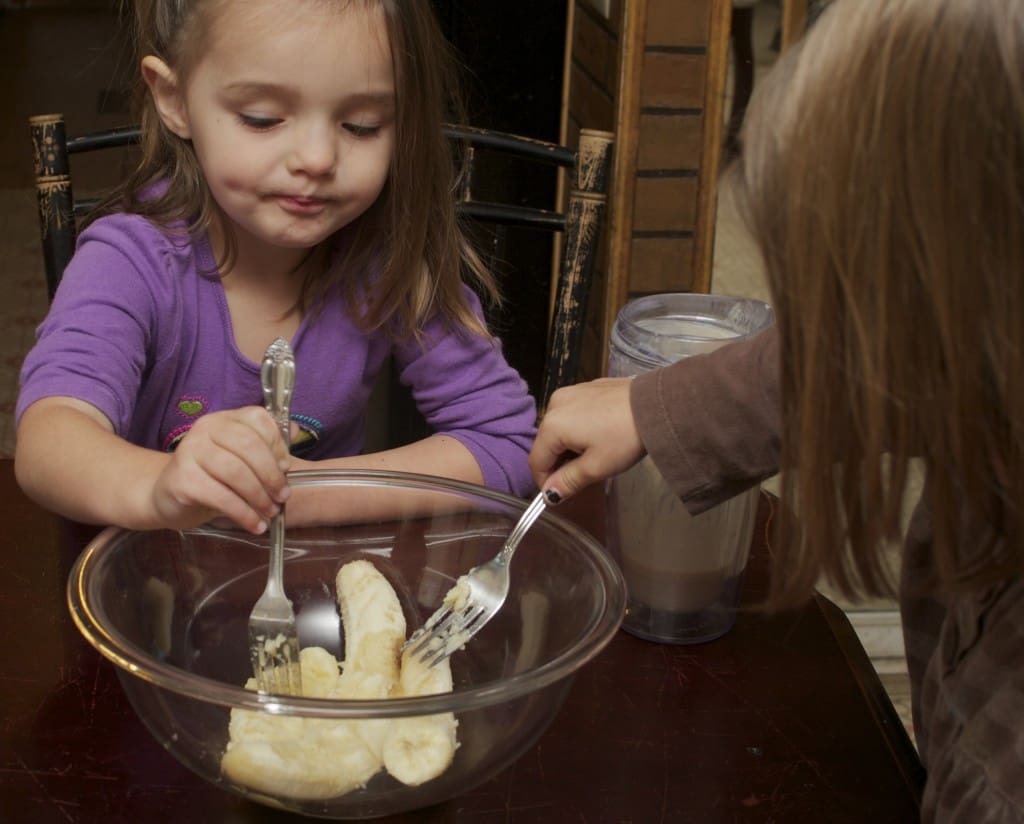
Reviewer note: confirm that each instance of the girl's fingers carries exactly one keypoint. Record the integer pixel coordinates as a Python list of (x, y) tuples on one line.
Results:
[(548, 449), (587, 434), (187, 495), (227, 463), (569, 478), (232, 464), (261, 422), (229, 504), (236, 473), (252, 440)]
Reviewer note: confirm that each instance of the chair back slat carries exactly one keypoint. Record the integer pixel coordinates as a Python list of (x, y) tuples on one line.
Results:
[(584, 217), (54, 198)]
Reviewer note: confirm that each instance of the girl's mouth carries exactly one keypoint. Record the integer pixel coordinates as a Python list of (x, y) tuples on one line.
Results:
[(299, 204)]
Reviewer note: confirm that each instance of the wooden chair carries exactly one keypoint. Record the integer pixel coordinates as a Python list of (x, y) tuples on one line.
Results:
[(480, 200)]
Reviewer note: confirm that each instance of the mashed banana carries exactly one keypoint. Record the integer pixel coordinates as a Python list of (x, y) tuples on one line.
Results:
[(312, 758)]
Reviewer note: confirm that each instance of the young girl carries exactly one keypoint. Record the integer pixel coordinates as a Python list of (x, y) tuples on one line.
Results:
[(882, 170), (294, 182)]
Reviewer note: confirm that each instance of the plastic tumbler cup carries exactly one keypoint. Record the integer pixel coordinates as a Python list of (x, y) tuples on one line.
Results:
[(683, 573)]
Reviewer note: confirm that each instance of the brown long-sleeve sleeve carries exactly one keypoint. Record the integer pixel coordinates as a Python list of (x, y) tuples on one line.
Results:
[(711, 422)]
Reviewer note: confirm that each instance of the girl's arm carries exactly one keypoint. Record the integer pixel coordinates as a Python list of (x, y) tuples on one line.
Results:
[(69, 460), (478, 406), (437, 455), (710, 424)]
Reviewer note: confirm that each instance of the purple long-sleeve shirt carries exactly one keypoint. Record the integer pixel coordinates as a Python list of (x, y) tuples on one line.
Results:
[(140, 329)]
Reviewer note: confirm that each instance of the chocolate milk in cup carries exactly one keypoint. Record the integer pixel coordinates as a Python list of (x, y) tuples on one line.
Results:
[(683, 572)]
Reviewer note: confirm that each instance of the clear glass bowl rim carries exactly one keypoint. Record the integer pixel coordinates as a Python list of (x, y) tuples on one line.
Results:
[(134, 661)]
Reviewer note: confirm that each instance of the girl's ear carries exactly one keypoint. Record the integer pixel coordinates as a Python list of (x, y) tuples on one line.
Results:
[(167, 95)]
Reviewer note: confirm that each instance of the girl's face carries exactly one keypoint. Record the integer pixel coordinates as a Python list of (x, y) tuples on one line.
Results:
[(291, 114)]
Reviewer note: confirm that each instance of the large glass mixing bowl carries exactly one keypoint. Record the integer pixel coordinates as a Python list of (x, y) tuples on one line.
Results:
[(170, 610)]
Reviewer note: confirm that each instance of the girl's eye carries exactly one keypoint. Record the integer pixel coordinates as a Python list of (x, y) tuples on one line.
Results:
[(359, 130), (258, 123)]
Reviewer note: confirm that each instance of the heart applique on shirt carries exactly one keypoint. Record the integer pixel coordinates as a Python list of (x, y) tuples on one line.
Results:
[(191, 406)]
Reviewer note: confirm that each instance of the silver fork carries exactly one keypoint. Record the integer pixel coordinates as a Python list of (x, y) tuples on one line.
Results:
[(473, 601), (273, 639)]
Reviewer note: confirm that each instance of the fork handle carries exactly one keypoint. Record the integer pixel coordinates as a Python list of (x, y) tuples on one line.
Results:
[(526, 520), (277, 374), (275, 576)]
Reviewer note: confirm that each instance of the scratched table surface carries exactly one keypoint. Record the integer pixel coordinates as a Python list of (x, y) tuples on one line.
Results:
[(780, 720)]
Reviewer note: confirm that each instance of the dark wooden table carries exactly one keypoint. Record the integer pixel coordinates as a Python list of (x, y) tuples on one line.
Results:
[(782, 719)]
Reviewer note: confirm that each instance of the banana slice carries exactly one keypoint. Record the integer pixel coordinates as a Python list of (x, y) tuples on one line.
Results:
[(419, 749)]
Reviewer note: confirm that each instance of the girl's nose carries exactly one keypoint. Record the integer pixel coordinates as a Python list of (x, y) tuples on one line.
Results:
[(315, 152)]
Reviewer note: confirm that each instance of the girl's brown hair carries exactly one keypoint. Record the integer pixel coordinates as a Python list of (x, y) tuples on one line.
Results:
[(883, 175), (408, 248)]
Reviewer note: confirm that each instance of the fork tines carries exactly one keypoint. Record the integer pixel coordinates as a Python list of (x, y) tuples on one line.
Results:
[(275, 663), (446, 632)]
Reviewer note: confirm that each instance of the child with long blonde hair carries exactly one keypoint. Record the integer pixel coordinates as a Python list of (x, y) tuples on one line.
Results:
[(294, 182), (882, 173)]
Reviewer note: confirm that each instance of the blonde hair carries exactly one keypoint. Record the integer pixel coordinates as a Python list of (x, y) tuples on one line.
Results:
[(883, 175), (408, 247)]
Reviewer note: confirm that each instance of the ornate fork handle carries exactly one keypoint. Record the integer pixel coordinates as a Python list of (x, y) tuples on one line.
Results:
[(526, 520), (277, 375)]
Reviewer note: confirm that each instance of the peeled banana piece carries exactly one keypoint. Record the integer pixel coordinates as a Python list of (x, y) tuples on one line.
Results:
[(374, 633), (421, 748), (374, 630), (312, 758), (302, 758)]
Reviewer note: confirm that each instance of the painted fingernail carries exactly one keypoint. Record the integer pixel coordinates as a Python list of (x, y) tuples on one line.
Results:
[(552, 497)]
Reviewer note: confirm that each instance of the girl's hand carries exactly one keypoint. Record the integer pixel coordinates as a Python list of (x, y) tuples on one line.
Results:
[(230, 464), (588, 433)]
